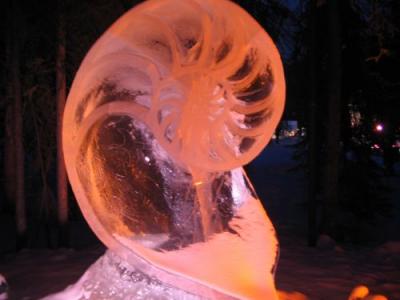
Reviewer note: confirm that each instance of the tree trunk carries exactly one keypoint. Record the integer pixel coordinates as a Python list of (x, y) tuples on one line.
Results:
[(330, 180), (311, 134), (9, 135), (9, 159), (62, 187), (9, 143), (20, 211)]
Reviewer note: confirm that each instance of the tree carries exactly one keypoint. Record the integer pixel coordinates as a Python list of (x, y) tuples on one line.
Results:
[(62, 187), (312, 127), (330, 181), (346, 86), (14, 19), (9, 135)]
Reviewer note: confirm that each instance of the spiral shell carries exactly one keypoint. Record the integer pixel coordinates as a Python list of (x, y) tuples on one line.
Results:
[(203, 75), (169, 101)]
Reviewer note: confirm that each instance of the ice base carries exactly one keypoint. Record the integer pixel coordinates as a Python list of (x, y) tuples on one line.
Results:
[(111, 278)]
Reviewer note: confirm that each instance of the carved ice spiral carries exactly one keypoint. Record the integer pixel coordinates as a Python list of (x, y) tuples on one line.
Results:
[(203, 75), (173, 97)]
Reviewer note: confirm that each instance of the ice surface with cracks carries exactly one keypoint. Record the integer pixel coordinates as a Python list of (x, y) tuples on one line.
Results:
[(165, 109)]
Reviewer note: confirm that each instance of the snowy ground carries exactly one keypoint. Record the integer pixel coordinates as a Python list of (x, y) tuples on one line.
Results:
[(324, 274), (332, 274), (319, 274)]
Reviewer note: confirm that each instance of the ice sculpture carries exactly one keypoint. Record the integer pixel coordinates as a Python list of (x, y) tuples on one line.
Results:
[(165, 109)]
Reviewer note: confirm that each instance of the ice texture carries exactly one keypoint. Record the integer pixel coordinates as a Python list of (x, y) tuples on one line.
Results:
[(110, 277), (165, 109), (154, 208), (203, 75)]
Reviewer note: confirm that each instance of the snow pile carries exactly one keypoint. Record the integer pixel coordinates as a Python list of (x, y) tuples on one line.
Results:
[(321, 274), (3, 288), (325, 242), (391, 248)]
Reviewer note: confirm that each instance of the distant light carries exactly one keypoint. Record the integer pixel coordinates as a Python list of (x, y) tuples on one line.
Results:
[(146, 158), (379, 127), (376, 146)]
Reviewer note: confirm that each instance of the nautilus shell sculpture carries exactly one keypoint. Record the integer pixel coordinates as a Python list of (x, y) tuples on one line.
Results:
[(166, 107)]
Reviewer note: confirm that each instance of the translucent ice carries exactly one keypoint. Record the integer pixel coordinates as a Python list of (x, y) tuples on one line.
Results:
[(110, 277), (165, 109)]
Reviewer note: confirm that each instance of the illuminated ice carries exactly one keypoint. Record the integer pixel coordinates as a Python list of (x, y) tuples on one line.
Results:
[(165, 109)]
